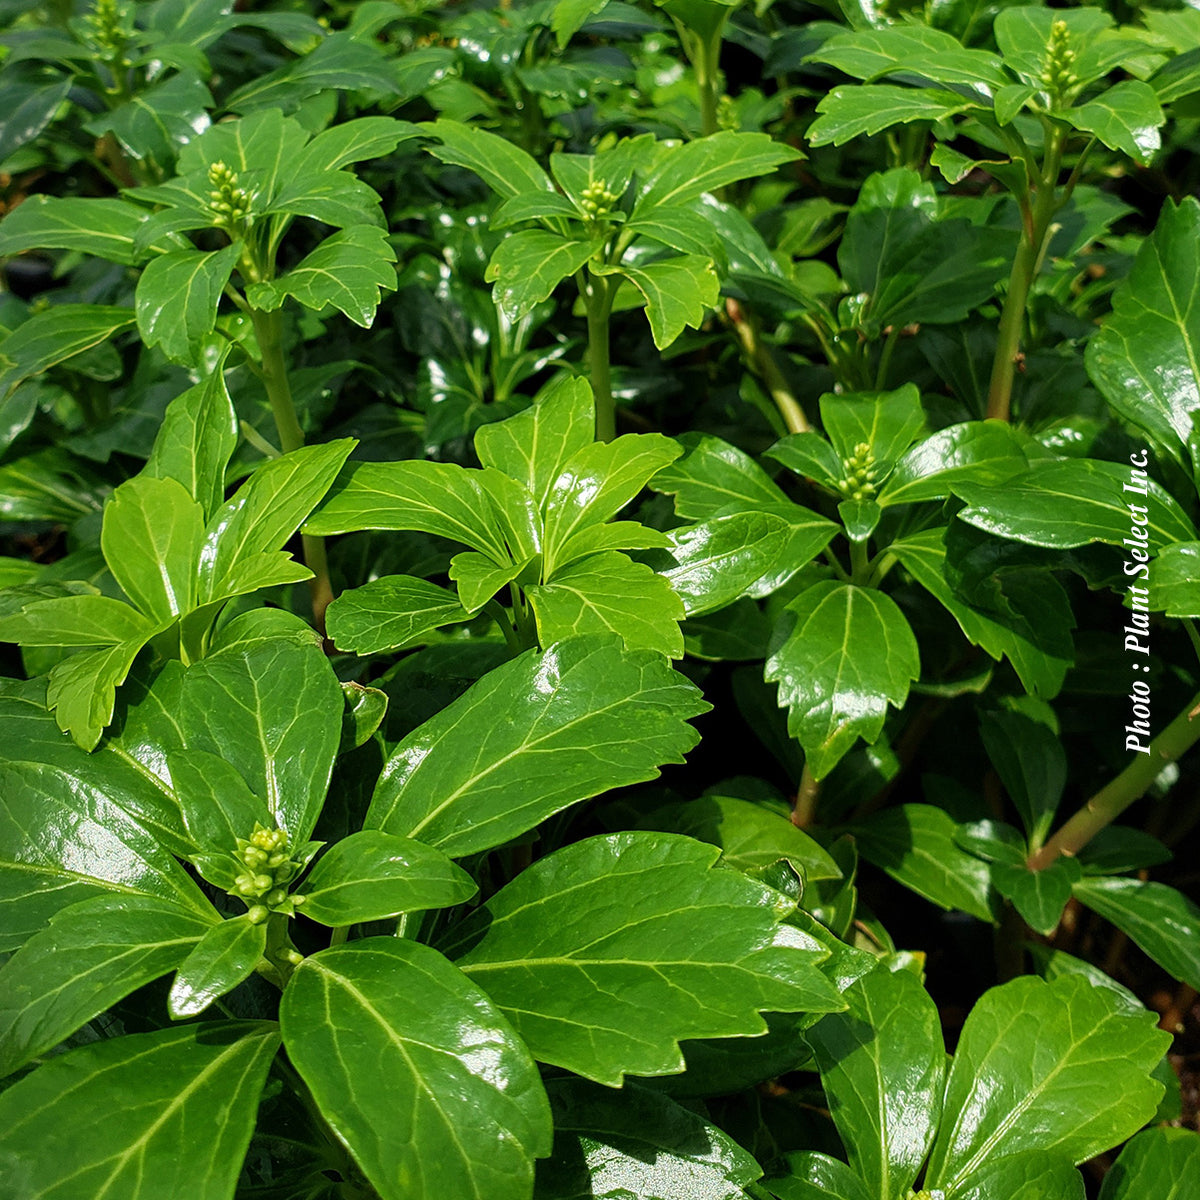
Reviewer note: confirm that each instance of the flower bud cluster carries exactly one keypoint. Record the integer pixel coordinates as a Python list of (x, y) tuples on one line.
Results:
[(269, 867), (1058, 74), (108, 28), (936, 1194), (229, 203), (597, 201), (727, 114), (859, 480)]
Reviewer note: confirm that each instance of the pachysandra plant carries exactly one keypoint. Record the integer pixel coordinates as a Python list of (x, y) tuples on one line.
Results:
[(611, 816)]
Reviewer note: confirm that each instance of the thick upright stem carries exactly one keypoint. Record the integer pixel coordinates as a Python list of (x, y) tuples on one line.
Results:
[(1115, 797), (804, 810), (597, 297), (767, 369), (268, 329), (708, 82), (1032, 246)]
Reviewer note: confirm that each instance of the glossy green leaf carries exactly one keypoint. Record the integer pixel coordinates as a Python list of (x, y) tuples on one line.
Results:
[(1039, 896), (1126, 117), (811, 457), (1161, 1162), (27, 106), (152, 535), (390, 613), (506, 168), (347, 271), (844, 653), (177, 298), (882, 1067), (750, 834), (912, 50), (223, 958), (104, 228), (597, 481), (1160, 919), (534, 446), (713, 475), (678, 292), (914, 844), (199, 433), (610, 593), (56, 335), (528, 266), (579, 718), (743, 553), (273, 711), (708, 163), (653, 946), (438, 498), (608, 1143), (478, 579), (266, 510), (1050, 1068), (886, 422), (1063, 503), (372, 875), (1174, 581), (1023, 35), (1144, 358), (1035, 633), (264, 146), (1032, 1176), (464, 1112), (978, 451), (815, 1175), (915, 264), (849, 112), (92, 955), (1031, 764), (64, 1136), (86, 620)]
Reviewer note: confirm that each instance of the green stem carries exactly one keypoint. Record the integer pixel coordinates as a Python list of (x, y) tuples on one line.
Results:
[(1190, 627), (804, 810), (708, 82), (598, 299), (268, 330), (885, 358), (860, 564), (523, 618), (762, 361), (1130, 785), (1034, 236), (495, 610)]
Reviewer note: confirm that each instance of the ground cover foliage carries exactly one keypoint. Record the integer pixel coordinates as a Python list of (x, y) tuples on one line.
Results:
[(598, 600)]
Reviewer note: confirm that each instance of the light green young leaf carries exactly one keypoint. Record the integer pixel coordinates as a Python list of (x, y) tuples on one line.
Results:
[(1127, 118), (597, 481), (678, 292), (262, 148), (1023, 35), (92, 955), (849, 112), (845, 653), (347, 270), (270, 568), (56, 335), (439, 498), (533, 446), (353, 141), (1160, 919), (581, 717), (594, 992), (76, 621), (478, 579), (371, 875), (883, 1065), (610, 593), (1146, 357), (63, 1137), (273, 711), (266, 510), (198, 435), (814, 1176), (615, 535), (152, 536), (528, 266), (104, 227), (1058, 1069), (225, 956), (504, 167), (177, 299), (713, 475), (83, 689), (708, 163), (464, 1112), (390, 613)]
